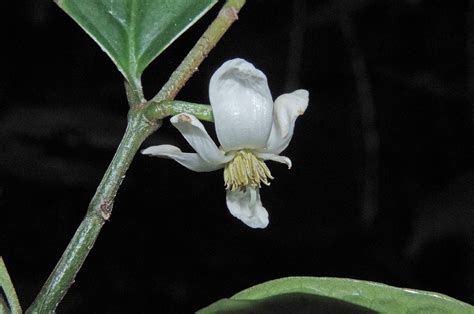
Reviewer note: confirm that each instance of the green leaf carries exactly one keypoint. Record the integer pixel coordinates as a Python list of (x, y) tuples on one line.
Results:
[(134, 32), (335, 295)]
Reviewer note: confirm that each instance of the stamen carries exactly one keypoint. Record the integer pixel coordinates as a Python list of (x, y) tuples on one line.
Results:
[(246, 169)]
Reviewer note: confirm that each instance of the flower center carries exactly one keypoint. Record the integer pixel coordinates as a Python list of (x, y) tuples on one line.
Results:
[(246, 169)]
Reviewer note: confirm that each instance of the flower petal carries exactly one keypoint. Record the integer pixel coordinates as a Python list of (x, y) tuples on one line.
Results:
[(191, 161), (196, 135), (247, 207), (287, 108), (275, 157), (242, 105)]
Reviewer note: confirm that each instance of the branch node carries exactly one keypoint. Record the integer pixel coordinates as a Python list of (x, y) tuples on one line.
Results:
[(230, 13), (105, 209)]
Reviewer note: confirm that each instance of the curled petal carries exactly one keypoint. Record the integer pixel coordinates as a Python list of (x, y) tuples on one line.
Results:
[(196, 135), (242, 105), (274, 157), (247, 206), (287, 108), (191, 161)]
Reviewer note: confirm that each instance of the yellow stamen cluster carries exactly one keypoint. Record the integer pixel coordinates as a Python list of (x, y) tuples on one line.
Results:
[(246, 169)]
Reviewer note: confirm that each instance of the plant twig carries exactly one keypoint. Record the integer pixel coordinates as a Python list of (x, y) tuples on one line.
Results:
[(161, 110), (8, 289), (133, 96), (227, 15), (138, 129), (98, 213)]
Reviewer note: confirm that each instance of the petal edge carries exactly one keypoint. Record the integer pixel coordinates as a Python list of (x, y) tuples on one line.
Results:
[(247, 207), (242, 105), (191, 161), (194, 132), (287, 108), (276, 158)]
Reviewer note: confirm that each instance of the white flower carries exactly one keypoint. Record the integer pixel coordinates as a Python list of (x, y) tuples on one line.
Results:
[(251, 128)]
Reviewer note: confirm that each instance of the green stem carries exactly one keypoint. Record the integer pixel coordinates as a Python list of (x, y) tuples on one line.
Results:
[(134, 96), (138, 129), (7, 286), (98, 213), (161, 110), (227, 15)]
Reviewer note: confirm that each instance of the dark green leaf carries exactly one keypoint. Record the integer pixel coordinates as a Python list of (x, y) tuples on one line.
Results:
[(335, 295), (134, 32)]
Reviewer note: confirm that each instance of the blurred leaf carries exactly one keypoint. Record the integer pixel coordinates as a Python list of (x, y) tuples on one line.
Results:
[(335, 295), (134, 32)]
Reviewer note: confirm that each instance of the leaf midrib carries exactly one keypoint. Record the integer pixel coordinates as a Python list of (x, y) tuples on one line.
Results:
[(132, 61)]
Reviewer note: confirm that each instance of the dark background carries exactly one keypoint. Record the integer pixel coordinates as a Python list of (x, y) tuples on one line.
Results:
[(382, 186)]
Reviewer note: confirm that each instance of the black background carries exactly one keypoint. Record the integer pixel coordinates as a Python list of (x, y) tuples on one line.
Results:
[(171, 245)]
